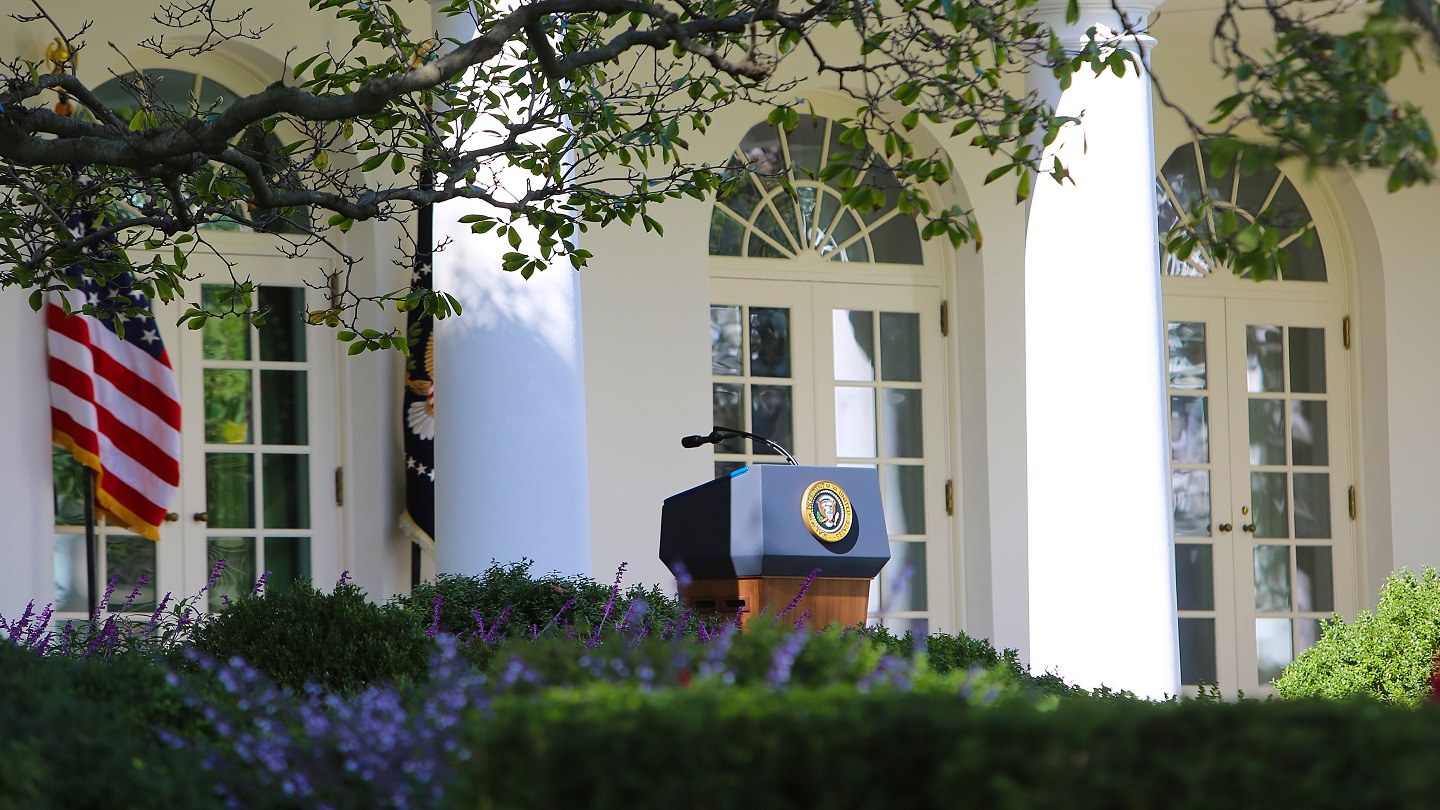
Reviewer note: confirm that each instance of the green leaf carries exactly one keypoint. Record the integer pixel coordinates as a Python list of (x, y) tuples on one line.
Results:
[(906, 93), (300, 68)]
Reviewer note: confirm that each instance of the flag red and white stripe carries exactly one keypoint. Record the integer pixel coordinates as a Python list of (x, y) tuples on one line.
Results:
[(115, 404)]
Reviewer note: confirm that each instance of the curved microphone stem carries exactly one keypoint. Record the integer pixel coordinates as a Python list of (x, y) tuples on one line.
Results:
[(719, 433)]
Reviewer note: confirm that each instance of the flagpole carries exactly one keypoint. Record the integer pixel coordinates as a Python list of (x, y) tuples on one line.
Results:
[(424, 254), (91, 552), (419, 399)]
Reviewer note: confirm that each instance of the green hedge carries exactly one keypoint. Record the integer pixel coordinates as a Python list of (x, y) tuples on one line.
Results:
[(758, 749), (338, 640), (80, 734), (530, 602), (1386, 654)]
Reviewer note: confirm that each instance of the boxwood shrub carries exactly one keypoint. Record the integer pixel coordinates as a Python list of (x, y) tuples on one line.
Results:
[(1386, 654), (338, 640), (81, 734), (530, 603), (710, 749)]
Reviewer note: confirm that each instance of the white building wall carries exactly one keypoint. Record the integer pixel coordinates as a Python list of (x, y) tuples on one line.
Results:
[(642, 303), (26, 500), (646, 301)]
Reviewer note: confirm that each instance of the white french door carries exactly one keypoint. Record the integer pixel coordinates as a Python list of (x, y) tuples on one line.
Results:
[(848, 374), (1260, 465), (261, 444), (259, 449)]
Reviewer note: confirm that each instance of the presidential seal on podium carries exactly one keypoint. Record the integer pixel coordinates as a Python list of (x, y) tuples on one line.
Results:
[(827, 511)]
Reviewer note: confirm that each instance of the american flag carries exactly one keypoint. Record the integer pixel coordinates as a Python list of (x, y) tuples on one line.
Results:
[(114, 402)]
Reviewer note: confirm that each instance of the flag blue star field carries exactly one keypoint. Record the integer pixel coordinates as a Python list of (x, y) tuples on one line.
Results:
[(114, 401), (419, 405)]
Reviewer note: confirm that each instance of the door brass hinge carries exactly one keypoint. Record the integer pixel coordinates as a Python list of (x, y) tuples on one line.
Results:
[(1353, 509), (950, 497), (339, 486), (1345, 330), (944, 319)]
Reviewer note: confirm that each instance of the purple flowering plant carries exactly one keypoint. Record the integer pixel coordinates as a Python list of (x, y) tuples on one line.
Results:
[(272, 724), (106, 634)]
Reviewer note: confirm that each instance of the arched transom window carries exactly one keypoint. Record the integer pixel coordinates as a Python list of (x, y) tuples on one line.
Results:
[(1258, 385), (174, 95), (1188, 177), (758, 217)]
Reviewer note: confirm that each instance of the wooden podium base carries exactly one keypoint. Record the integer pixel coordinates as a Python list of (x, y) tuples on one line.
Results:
[(830, 600)]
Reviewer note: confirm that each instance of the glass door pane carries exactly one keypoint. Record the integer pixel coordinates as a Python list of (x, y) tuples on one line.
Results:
[(1292, 476), (884, 380), (257, 450), (1200, 476), (759, 364)]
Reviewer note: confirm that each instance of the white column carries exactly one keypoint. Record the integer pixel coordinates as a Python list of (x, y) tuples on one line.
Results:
[(510, 440), (1102, 602), (26, 498)]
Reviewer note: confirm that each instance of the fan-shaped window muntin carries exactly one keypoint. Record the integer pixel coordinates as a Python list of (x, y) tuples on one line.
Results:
[(178, 94), (758, 218), (1187, 178)]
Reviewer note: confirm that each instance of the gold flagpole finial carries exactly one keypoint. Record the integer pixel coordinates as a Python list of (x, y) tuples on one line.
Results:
[(58, 55)]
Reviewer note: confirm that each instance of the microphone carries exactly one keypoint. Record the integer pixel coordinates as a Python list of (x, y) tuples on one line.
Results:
[(696, 441), (720, 434)]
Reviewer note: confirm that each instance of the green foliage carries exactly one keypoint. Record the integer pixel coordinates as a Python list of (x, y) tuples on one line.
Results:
[(79, 734), (530, 603), (1387, 654), (608, 747), (1324, 96), (945, 652), (338, 640), (552, 120)]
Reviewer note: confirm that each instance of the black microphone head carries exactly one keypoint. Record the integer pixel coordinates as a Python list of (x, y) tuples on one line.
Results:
[(694, 441)]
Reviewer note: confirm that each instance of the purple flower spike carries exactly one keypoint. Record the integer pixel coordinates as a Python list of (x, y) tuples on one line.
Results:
[(104, 602), (682, 576), (155, 617), (493, 635), (259, 588), (784, 658), (214, 575), (569, 603), (19, 626), (434, 627), (140, 583), (810, 580), (635, 616), (609, 605)]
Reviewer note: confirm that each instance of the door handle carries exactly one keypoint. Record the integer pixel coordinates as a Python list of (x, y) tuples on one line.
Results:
[(171, 517), (201, 517), (1225, 527), (1248, 527)]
